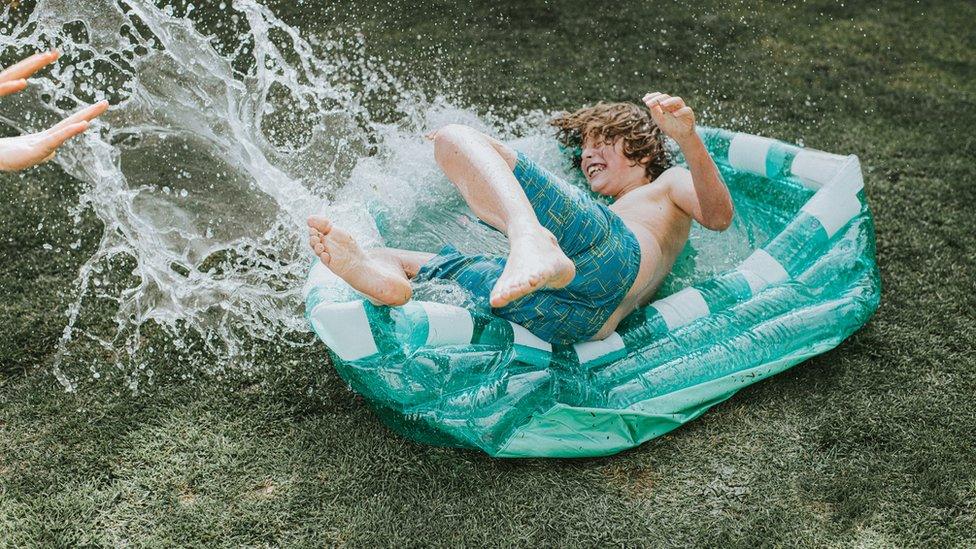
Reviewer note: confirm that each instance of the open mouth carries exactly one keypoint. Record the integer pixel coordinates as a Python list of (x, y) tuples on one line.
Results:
[(594, 169)]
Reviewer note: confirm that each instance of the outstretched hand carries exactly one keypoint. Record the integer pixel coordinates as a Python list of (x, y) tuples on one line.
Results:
[(14, 78), (675, 119), (24, 151)]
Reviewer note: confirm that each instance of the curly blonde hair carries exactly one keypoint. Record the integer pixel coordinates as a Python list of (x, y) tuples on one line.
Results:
[(643, 141)]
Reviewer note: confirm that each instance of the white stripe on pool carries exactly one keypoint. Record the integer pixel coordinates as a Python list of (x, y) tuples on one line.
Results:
[(748, 152), (344, 327), (681, 308), (447, 324)]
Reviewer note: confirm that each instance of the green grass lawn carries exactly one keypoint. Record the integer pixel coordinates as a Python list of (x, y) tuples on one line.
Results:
[(870, 444)]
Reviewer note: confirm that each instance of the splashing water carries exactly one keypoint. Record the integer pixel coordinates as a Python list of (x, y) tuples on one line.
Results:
[(227, 129), (212, 155)]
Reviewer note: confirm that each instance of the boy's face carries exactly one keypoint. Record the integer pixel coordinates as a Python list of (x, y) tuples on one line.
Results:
[(607, 170)]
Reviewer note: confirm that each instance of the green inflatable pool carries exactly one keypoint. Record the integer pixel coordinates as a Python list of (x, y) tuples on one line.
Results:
[(449, 375)]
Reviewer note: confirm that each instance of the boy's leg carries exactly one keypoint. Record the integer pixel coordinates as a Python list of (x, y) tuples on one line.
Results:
[(485, 179), (578, 221), (409, 260)]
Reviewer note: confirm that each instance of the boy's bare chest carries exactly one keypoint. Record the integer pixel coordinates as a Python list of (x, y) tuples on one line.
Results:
[(652, 215)]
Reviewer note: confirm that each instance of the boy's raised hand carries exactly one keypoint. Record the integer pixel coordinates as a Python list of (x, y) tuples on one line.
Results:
[(675, 119), (14, 78), (24, 151)]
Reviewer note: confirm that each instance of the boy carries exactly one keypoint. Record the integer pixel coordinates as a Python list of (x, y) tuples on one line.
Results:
[(575, 267)]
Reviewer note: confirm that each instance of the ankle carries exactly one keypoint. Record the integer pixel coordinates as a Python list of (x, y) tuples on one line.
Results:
[(525, 230)]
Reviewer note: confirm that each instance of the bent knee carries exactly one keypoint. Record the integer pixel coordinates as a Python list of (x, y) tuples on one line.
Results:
[(454, 138), (449, 138), (452, 132)]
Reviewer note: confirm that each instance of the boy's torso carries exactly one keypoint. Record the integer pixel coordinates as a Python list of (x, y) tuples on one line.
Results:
[(662, 230)]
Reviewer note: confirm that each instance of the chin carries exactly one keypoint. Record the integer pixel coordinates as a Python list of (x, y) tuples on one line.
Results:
[(598, 187)]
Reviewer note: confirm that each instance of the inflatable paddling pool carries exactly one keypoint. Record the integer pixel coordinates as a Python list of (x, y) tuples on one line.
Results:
[(449, 375)]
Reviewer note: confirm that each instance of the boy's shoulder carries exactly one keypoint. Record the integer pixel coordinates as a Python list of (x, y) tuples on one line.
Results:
[(670, 179), (675, 175)]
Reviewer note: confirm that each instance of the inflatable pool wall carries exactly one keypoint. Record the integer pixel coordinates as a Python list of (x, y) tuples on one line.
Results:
[(447, 375)]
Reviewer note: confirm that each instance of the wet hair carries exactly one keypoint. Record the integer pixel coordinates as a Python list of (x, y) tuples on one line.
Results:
[(643, 141)]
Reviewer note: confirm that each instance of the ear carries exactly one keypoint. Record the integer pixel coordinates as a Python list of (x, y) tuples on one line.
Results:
[(643, 162)]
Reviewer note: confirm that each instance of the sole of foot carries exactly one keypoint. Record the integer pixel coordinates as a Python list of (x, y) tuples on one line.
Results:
[(533, 264), (378, 280)]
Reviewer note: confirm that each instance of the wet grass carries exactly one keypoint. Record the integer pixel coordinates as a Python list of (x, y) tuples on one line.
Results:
[(870, 444)]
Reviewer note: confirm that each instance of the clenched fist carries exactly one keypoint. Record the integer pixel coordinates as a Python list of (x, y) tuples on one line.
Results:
[(675, 119)]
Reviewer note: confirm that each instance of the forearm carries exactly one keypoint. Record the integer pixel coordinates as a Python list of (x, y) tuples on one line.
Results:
[(714, 199)]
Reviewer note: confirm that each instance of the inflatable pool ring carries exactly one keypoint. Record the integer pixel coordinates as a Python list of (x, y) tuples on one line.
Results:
[(448, 375)]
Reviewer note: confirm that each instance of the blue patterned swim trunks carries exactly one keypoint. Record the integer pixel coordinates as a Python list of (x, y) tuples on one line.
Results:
[(605, 251)]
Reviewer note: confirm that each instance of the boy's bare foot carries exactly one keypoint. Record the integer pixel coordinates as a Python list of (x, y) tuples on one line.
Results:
[(378, 280), (534, 262)]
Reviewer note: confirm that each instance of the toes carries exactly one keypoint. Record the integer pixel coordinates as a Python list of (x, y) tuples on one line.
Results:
[(320, 224), (512, 290), (515, 291), (527, 283), (325, 257), (318, 247), (499, 297)]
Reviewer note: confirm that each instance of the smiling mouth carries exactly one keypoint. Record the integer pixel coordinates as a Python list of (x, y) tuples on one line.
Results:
[(595, 169)]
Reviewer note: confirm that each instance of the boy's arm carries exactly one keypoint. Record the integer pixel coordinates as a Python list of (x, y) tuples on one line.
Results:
[(701, 193)]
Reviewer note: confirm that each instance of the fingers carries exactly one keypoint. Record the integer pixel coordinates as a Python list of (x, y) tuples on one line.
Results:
[(7, 88), (653, 101), (84, 115), (665, 101), (672, 104), (655, 98), (55, 137), (27, 67)]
